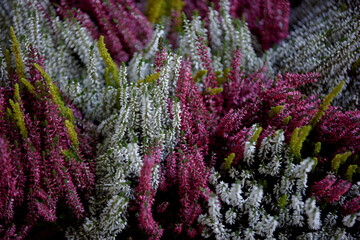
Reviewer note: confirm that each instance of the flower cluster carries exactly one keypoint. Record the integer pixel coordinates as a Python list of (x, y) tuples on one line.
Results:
[(125, 28), (201, 134), (46, 148)]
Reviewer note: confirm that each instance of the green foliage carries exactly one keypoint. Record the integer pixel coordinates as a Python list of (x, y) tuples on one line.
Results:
[(275, 111), (228, 161), (111, 65), (297, 139), (325, 104), (338, 160)]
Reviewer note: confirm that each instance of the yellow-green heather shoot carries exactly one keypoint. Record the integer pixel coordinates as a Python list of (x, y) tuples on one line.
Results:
[(317, 149), (256, 135), (325, 104), (214, 91), (17, 92), (19, 117), (297, 139), (72, 133), (8, 61), (199, 75), (108, 61), (16, 50), (107, 77), (222, 79), (27, 84), (350, 171), (228, 161), (154, 10), (54, 91), (338, 160), (69, 114), (287, 120), (282, 201), (275, 110), (149, 79)]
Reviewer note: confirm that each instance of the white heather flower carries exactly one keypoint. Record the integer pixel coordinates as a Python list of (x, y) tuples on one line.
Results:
[(313, 214), (235, 194), (222, 190), (301, 172), (233, 173), (135, 159), (244, 175), (349, 220), (220, 231), (214, 176), (330, 219), (249, 234), (230, 216), (214, 209), (254, 217), (298, 206), (249, 152), (255, 196), (269, 225)]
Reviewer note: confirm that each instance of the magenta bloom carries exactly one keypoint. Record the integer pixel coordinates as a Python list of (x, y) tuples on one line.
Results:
[(125, 29), (267, 20), (42, 165)]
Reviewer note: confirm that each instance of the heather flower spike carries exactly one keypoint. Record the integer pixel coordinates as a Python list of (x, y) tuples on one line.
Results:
[(38, 178), (202, 133)]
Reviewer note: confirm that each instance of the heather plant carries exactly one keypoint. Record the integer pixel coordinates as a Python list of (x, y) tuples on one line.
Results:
[(71, 55), (261, 189), (324, 39), (141, 128), (125, 28), (224, 37), (214, 141), (267, 20), (46, 148)]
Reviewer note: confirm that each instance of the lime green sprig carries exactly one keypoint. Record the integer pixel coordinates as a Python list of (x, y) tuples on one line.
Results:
[(297, 139), (149, 79), (54, 91), (228, 160), (19, 118), (214, 91), (287, 120), (317, 149), (282, 202), (256, 135), (73, 136), (338, 160), (350, 172), (199, 75), (18, 60), (325, 104), (28, 85), (224, 76), (70, 115), (275, 111), (8, 61), (17, 93), (109, 61)]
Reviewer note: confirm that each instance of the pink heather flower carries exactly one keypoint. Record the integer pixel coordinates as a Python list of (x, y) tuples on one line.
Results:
[(320, 188), (328, 191), (268, 20), (125, 29), (352, 206), (145, 195), (41, 168), (337, 190)]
